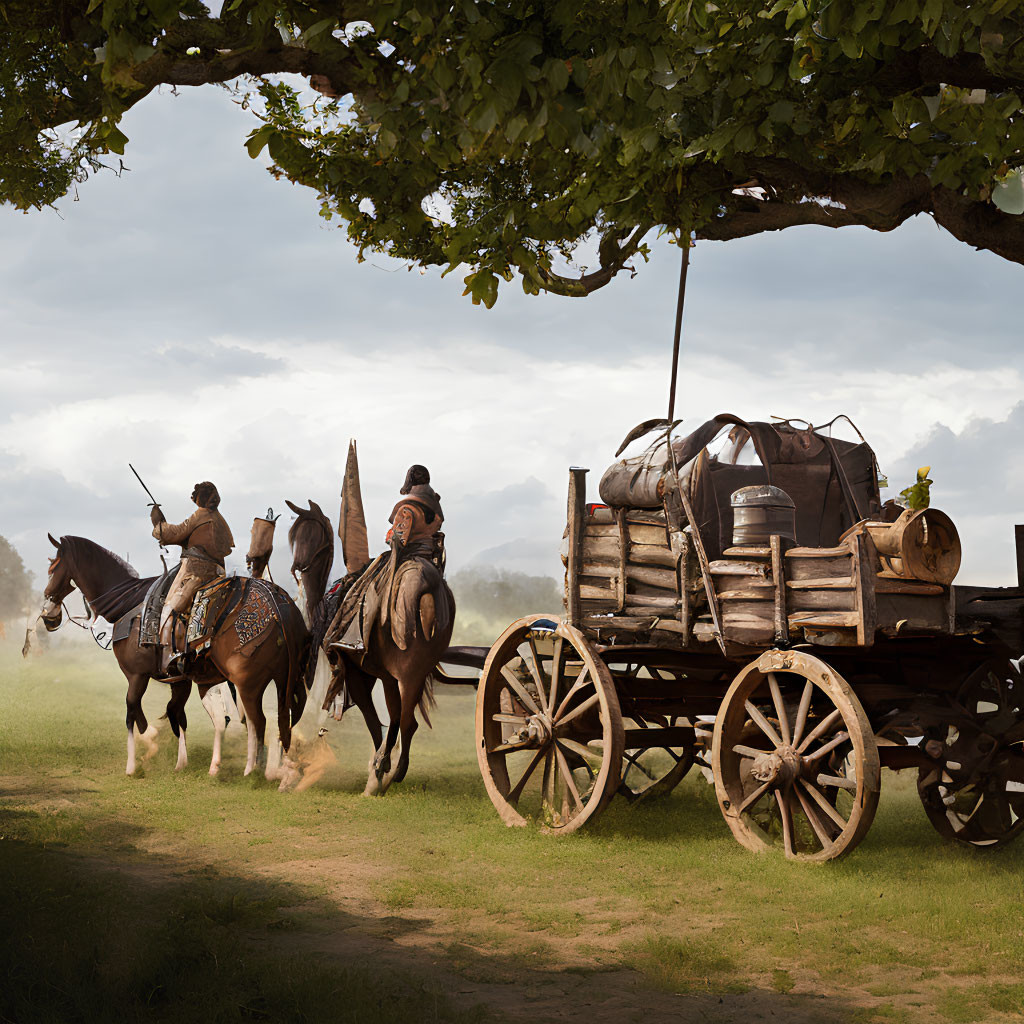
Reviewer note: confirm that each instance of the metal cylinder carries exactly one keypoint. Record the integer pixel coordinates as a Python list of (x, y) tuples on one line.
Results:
[(760, 512)]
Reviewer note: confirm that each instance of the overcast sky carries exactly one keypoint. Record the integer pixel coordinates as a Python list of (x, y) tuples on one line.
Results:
[(198, 319)]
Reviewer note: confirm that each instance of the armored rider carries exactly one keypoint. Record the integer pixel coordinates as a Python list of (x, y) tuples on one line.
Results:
[(206, 541)]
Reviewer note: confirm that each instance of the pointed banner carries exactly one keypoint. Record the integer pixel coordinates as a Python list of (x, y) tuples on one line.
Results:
[(351, 522)]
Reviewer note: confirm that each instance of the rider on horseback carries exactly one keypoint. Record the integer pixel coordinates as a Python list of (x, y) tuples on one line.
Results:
[(206, 541)]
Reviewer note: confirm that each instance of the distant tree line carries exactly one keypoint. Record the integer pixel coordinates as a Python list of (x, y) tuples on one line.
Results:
[(15, 583)]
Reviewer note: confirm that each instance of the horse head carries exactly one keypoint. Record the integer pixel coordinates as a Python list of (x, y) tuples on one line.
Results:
[(311, 539), (58, 585)]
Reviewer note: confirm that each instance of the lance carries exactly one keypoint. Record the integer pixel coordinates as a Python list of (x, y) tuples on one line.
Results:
[(149, 494)]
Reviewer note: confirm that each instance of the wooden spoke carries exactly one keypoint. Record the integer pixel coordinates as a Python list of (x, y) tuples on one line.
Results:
[(787, 822), (763, 724), (549, 776), (508, 748), (533, 664), (745, 751), (780, 708), (840, 737), (754, 797), (579, 710), (517, 790), (563, 767), (801, 712), (508, 719), (816, 823), (556, 673), (582, 681), (822, 727), (838, 781), (520, 691), (818, 797), (587, 753)]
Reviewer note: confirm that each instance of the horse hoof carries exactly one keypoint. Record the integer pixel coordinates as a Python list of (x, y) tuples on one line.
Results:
[(214, 769)]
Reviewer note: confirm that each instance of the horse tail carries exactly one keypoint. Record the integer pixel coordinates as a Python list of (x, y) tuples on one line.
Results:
[(427, 699)]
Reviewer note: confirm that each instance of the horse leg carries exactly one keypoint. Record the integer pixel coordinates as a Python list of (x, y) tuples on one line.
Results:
[(380, 764), (213, 701), (410, 700), (179, 723), (135, 716), (256, 724)]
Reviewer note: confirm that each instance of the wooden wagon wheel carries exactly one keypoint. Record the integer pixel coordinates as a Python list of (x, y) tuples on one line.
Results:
[(976, 795), (548, 730), (659, 747), (651, 772), (794, 758)]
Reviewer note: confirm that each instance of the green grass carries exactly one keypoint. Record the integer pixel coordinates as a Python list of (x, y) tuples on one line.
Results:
[(156, 867)]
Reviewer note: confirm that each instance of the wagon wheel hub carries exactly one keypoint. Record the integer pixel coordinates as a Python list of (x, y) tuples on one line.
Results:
[(782, 765)]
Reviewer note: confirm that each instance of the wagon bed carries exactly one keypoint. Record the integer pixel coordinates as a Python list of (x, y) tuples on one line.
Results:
[(790, 672)]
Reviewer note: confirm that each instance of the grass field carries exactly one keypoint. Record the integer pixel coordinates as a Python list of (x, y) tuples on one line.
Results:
[(180, 897)]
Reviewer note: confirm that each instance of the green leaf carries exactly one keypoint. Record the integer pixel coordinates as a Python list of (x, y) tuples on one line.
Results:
[(797, 12), (1008, 193), (258, 139)]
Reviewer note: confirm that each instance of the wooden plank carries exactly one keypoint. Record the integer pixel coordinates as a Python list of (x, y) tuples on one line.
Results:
[(824, 619), (740, 590), (865, 566), (648, 534), (732, 567), (575, 514), (589, 592), (892, 585), (620, 583), (647, 601), (652, 554), (833, 583), (810, 600), (600, 549), (635, 515), (780, 622), (666, 579), (639, 533), (748, 552), (812, 568), (680, 551)]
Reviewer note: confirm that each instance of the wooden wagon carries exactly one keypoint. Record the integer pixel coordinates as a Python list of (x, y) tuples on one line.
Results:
[(771, 621)]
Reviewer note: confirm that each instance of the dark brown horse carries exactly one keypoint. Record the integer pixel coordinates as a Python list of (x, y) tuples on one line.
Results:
[(405, 674), (311, 538), (273, 649)]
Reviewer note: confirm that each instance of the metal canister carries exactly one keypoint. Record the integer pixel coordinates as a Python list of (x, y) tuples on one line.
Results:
[(759, 512)]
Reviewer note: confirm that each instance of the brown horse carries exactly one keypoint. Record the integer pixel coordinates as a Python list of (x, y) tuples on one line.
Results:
[(273, 648), (405, 674)]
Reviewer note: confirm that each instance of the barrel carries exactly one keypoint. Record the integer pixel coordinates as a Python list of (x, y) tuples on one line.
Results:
[(922, 544), (760, 512)]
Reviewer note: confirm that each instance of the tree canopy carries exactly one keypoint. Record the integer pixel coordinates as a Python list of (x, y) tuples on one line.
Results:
[(15, 582), (510, 136)]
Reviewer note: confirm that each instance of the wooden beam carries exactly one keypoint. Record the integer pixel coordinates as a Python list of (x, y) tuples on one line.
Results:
[(1018, 533), (576, 514)]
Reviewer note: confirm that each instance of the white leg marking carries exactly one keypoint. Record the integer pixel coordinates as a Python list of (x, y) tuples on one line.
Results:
[(130, 767), (149, 738), (182, 752), (215, 710), (250, 761)]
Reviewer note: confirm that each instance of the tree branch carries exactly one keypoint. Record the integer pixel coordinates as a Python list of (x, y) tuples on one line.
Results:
[(580, 287)]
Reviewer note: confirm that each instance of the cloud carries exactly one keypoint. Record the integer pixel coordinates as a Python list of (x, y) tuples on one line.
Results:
[(196, 318), (978, 482)]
